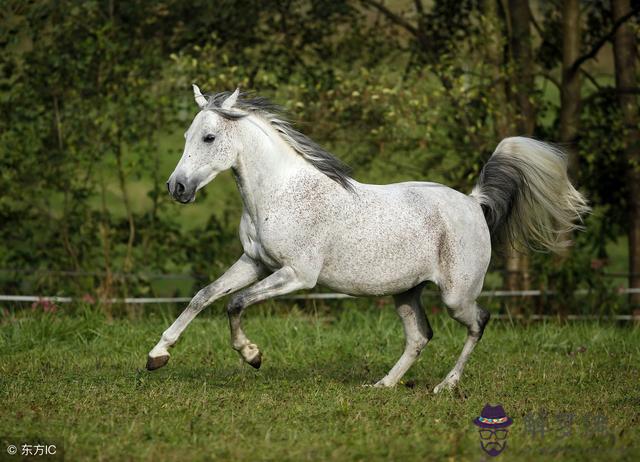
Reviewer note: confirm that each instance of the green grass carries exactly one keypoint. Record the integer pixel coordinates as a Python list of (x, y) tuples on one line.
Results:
[(78, 378)]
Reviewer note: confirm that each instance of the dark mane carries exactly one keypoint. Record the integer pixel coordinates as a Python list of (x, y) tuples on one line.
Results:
[(321, 159)]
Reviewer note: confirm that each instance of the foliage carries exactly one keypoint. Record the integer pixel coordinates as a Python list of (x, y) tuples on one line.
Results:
[(89, 98)]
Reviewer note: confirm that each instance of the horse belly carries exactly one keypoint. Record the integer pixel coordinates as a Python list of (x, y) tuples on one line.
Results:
[(391, 261), (354, 285)]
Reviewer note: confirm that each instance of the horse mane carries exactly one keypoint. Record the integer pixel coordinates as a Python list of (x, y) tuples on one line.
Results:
[(317, 156)]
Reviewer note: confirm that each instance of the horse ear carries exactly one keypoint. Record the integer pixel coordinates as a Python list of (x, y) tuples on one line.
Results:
[(200, 98), (231, 100)]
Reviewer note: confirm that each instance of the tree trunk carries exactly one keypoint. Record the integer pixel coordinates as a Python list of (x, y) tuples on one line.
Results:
[(520, 17), (570, 104), (570, 88), (504, 126), (625, 49), (496, 32), (128, 259), (517, 264)]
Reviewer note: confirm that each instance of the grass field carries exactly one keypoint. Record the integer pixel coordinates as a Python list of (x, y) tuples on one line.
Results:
[(79, 379)]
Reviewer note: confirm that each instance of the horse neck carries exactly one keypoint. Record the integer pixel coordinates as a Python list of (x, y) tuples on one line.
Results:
[(265, 163)]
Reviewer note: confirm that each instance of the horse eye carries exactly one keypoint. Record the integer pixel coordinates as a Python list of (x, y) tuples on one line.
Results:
[(209, 138)]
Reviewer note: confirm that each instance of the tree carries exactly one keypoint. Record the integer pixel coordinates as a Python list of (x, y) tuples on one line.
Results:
[(497, 36), (570, 88), (522, 57), (516, 262), (625, 50)]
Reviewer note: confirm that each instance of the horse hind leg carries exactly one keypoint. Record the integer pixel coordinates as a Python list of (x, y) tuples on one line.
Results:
[(466, 311), (417, 333)]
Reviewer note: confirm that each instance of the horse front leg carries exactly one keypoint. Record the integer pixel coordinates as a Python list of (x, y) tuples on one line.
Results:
[(242, 273), (281, 282)]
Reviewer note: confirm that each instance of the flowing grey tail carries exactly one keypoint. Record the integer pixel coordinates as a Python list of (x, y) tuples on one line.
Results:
[(526, 196)]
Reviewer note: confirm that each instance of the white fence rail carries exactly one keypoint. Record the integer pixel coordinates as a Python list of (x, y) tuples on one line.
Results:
[(334, 296), (310, 296)]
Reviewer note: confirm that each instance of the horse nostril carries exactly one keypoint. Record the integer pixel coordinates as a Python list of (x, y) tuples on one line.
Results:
[(180, 188), (168, 187)]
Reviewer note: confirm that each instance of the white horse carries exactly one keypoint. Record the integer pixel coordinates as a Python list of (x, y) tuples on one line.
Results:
[(306, 222)]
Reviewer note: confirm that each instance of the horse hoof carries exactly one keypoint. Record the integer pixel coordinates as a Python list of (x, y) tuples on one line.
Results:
[(157, 363), (383, 384), (256, 361), (444, 386)]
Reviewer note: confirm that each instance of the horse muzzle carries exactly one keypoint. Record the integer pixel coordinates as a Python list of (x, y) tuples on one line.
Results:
[(181, 189)]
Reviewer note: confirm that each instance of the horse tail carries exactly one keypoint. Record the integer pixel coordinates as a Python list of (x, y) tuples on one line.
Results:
[(526, 196)]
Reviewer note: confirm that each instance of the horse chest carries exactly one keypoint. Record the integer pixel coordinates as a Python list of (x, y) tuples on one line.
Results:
[(253, 245)]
